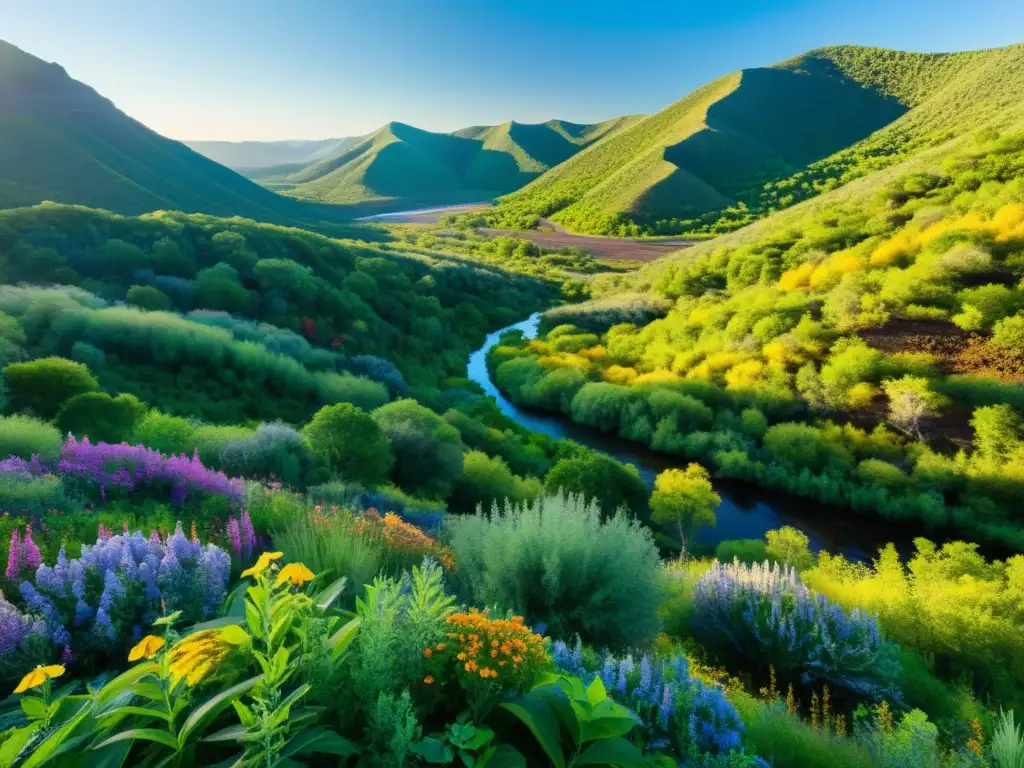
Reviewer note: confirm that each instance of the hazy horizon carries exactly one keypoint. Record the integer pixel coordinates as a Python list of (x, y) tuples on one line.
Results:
[(263, 71)]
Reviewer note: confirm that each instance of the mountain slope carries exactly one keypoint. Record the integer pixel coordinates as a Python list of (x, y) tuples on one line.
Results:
[(61, 141), (750, 136), (400, 162), (244, 156)]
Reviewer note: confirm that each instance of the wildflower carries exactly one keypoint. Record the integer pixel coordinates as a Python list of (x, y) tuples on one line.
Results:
[(146, 648), (248, 535), (297, 573), (14, 561), (429, 679), (427, 653), (234, 536), (30, 555), (195, 657), (66, 658), (262, 564), (38, 676), (441, 646)]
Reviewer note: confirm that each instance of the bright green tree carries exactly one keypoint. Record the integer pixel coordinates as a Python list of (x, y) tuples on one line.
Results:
[(351, 442), (43, 386), (684, 497)]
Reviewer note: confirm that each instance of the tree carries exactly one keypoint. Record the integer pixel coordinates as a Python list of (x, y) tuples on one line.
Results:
[(428, 450), (789, 546), (147, 297), (910, 399), (488, 479), (686, 498), (595, 476), (43, 386), (100, 417), (351, 442)]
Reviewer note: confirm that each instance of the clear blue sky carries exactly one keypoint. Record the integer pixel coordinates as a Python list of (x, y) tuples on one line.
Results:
[(276, 69)]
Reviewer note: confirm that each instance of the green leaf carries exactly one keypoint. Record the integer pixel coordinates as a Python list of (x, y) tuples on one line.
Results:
[(342, 639), (501, 756), (16, 739), (330, 593), (616, 752), (33, 707), (213, 707), (319, 741), (596, 692), (125, 681), (231, 733), (236, 601), (433, 750), (133, 710), (542, 722), (220, 623), (53, 743), (145, 734)]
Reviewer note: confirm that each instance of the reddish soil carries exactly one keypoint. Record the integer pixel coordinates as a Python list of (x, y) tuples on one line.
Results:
[(628, 249)]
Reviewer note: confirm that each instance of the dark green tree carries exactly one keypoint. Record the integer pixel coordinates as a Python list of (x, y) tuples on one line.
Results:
[(351, 443), (428, 451)]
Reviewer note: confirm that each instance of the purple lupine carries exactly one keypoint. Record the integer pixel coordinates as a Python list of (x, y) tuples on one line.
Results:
[(248, 534), (14, 557), (15, 627), (66, 658), (235, 537), (31, 556)]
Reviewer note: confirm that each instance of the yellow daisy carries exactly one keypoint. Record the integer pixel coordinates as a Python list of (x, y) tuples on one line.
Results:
[(297, 573), (146, 648)]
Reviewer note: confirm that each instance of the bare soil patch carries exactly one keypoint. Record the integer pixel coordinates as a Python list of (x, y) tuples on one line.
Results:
[(628, 249)]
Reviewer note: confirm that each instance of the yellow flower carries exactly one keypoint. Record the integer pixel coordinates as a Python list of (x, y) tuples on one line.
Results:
[(262, 564), (38, 676), (146, 648), (196, 656), (296, 573)]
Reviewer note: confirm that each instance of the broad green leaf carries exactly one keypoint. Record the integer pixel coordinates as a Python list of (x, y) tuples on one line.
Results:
[(53, 743), (219, 623), (596, 692), (568, 710), (133, 710), (16, 739), (126, 680), (342, 639), (533, 712), (616, 752), (330, 593), (319, 741), (501, 756), (145, 734), (233, 634), (33, 707), (433, 750), (231, 733), (213, 707), (235, 601)]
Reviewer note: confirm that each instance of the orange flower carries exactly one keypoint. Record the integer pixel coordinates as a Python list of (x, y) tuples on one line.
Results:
[(441, 646), (427, 653), (429, 680)]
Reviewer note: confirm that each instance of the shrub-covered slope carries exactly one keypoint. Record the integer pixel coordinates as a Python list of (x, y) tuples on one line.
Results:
[(761, 139)]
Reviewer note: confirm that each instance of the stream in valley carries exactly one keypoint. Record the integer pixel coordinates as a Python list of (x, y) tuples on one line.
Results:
[(746, 511)]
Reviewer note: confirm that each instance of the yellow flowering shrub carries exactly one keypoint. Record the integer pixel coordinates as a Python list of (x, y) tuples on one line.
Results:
[(618, 374)]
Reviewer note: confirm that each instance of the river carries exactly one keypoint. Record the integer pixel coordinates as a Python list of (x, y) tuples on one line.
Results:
[(746, 511)]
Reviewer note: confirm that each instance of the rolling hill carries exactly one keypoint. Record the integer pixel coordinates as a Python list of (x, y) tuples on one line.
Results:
[(243, 156), (62, 141), (763, 138), (401, 162)]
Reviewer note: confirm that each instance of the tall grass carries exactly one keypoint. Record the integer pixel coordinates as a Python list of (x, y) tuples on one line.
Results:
[(23, 436), (1007, 745)]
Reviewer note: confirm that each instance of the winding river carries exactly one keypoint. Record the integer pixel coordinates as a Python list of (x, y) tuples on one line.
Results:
[(746, 511)]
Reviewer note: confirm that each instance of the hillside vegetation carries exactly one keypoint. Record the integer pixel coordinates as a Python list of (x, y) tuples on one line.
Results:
[(401, 163), (761, 139)]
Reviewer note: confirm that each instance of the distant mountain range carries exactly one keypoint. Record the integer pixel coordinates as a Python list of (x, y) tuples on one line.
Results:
[(741, 146), (252, 155), (401, 162)]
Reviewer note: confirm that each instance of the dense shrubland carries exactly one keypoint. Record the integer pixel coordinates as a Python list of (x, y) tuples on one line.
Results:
[(862, 352)]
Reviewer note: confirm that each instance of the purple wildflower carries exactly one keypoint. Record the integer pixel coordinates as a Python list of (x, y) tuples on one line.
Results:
[(235, 537), (31, 557), (248, 535), (14, 557)]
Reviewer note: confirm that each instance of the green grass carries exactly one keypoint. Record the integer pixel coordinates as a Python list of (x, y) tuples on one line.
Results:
[(401, 163), (762, 139)]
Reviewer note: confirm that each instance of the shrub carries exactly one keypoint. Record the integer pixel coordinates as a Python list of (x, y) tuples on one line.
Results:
[(789, 546), (486, 480), (165, 433), (25, 437), (273, 452), (428, 450), (351, 443), (760, 616), (747, 551), (42, 386), (556, 561), (100, 417), (600, 478), (147, 297), (1008, 335)]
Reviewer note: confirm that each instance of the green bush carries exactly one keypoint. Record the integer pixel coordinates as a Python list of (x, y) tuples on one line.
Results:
[(486, 480), (556, 561), (147, 297), (601, 478), (24, 437), (165, 433), (100, 417), (428, 450), (41, 387), (351, 443), (747, 551)]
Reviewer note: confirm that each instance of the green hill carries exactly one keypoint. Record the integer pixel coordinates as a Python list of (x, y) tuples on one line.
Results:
[(400, 162), (245, 156), (61, 141), (761, 139)]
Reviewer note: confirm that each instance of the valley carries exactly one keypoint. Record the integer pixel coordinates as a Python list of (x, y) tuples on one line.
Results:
[(690, 438)]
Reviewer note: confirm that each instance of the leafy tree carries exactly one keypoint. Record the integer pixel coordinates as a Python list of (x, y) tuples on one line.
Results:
[(1008, 335), (43, 386), (685, 498), (595, 476), (428, 451), (165, 433), (351, 442), (789, 546), (486, 480), (147, 297), (910, 399), (100, 417)]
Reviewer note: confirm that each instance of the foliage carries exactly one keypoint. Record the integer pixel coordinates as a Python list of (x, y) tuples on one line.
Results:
[(556, 561), (25, 437), (100, 417), (351, 442), (41, 387), (599, 478), (428, 451), (684, 497)]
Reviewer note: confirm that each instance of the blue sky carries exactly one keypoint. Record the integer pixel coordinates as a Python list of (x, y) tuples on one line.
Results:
[(277, 69)]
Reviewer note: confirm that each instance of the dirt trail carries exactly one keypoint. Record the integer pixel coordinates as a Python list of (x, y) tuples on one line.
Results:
[(631, 249)]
